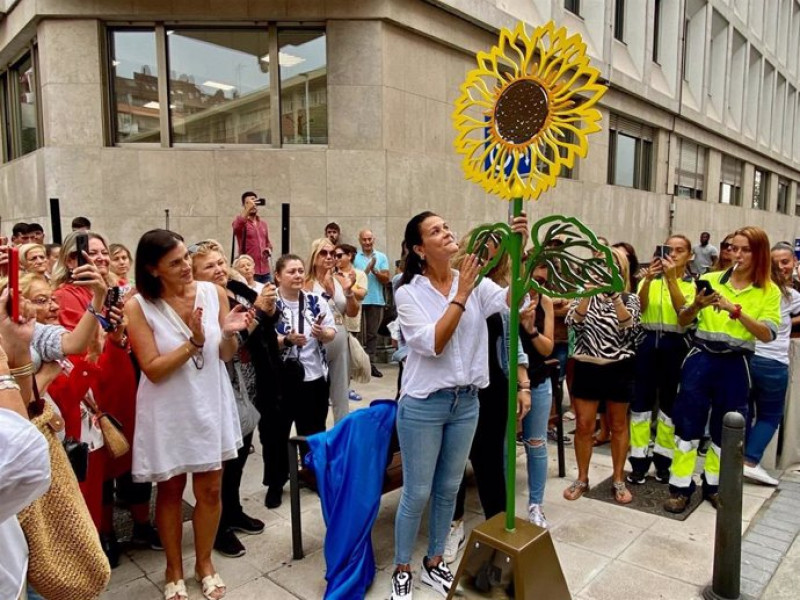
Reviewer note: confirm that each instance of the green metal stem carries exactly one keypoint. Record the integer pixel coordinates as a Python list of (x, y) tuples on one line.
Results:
[(515, 250)]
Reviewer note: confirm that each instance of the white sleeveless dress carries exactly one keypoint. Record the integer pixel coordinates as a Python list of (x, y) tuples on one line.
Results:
[(188, 422)]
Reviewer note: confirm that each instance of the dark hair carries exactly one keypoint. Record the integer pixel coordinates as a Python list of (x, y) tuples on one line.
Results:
[(633, 263), (333, 225), (81, 223), (280, 265), (246, 195), (413, 237), (347, 248), (152, 247), (50, 247), (20, 229), (32, 227)]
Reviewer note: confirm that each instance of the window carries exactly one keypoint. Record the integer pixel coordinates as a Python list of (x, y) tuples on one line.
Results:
[(134, 86), (783, 196), (760, 189), (573, 6), (630, 153), (218, 85), (690, 171), (656, 29), (730, 191), (619, 20), (304, 87), (797, 202), (19, 108)]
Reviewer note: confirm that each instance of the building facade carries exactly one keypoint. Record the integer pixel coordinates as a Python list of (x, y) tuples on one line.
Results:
[(124, 109)]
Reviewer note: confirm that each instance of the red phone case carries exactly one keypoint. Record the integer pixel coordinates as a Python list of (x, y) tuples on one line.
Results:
[(13, 282)]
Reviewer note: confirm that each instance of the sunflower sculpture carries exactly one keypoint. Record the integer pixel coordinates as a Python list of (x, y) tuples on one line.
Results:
[(526, 111)]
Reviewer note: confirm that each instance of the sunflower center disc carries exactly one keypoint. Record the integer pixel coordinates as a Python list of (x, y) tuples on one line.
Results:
[(521, 111)]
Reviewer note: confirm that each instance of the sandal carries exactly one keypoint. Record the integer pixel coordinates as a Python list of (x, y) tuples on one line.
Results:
[(175, 590), (596, 441), (621, 492), (213, 586), (576, 489)]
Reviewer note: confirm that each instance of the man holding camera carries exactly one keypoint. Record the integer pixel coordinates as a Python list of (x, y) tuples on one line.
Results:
[(253, 237)]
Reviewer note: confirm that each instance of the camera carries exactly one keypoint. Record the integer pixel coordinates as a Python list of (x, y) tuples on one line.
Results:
[(261, 202)]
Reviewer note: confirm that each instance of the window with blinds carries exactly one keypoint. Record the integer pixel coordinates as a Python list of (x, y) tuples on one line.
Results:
[(630, 153), (783, 196), (730, 191), (690, 172)]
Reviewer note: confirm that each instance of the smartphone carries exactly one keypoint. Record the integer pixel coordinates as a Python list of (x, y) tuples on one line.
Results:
[(13, 283), (662, 251), (703, 287), (81, 246), (320, 319), (113, 296), (261, 202)]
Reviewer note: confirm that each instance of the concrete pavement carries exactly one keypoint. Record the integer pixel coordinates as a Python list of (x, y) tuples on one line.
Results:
[(606, 552)]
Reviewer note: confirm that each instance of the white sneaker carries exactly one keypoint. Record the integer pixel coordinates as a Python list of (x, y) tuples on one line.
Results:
[(439, 577), (401, 585), (536, 516), (454, 543), (758, 473)]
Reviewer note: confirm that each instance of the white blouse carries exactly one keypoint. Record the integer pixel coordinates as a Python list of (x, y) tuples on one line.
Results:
[(24, 476), (465, 358)]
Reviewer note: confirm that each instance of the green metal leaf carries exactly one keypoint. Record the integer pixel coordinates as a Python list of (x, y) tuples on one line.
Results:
[(577, 264), (497, 234)]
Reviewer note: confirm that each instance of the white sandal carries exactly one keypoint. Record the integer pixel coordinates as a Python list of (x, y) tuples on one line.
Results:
[(211, 585), (175, 590)]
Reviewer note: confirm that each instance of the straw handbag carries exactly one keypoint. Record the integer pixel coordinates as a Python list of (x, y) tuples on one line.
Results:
[(113, 439), (66, 560)]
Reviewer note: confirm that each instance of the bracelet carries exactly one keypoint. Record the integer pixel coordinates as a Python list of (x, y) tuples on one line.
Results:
[(7, 382), (524, 390), (459, 305), (350, 295), (195, 344), (524, 385), (734, 314), (22, 371), (580, 314)]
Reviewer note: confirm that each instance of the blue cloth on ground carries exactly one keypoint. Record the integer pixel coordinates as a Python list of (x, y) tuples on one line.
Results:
[(350, 462)]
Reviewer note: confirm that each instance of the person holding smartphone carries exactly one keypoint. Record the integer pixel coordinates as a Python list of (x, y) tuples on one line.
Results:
[(665, 289), (252, 236), (732, 311), (305, 326)]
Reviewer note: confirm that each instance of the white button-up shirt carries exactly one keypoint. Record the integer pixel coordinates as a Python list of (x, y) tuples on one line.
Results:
[(465, 359), (24, 476)]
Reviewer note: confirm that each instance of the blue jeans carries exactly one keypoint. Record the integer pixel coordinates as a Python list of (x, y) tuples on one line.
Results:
[(33, 595), (770, 380), (435, 438), (534, 432)]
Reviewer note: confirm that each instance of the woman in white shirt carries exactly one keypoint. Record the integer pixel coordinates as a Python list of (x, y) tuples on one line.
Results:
[(442, 315), (769, 370), (336, 289)]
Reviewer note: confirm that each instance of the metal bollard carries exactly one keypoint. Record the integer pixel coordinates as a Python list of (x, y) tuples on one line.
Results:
[(726, 580)]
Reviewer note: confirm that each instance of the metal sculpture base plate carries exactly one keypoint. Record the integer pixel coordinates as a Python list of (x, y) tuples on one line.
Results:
[(520, 564), (710, 594)]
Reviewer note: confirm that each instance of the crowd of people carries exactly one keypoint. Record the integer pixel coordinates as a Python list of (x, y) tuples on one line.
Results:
[(188, 354)]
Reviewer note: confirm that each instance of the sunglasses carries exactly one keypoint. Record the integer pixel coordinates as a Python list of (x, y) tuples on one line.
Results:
[(326, 253), (195, 248), (339, 255)]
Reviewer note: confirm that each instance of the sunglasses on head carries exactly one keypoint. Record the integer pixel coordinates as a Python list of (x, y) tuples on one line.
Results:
[(195, 248)]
